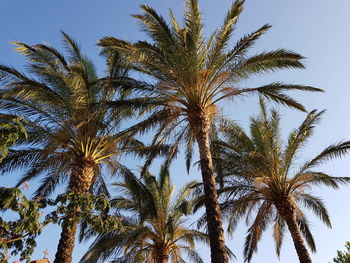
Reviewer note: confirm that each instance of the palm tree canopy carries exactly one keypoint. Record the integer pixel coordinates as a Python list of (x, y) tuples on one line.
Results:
[(261, 172), (194, 73), (154, 224), (63, 104)]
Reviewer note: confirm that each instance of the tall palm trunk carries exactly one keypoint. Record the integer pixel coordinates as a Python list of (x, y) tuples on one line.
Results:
[(287, 211), (161, 254), (200, 124), (80, 182)]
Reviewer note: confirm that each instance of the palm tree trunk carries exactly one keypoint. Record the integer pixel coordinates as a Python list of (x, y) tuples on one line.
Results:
[(80, 182), (201, 126), (66, 244), (287, 211), (162, 256)]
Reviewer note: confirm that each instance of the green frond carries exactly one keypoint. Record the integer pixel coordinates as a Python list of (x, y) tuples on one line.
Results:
[(223, 35), (245, 43), (54, 52), (271, 61), (51, 181), (299, 137), (189, 150), (18, 159), (72, 48), (310, 178), (193, 256), (305, 230), (317, 206), (337, 150), (194, 27), (283, 99), (256, 230), (278, 233), (155, 26)]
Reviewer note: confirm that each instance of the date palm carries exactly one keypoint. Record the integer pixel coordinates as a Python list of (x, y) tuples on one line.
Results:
[(262, 177), (72, 133), (192, 75), (154, 221)]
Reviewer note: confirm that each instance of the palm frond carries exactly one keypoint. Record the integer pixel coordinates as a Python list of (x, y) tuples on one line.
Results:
[(337, 150), (317, 206)]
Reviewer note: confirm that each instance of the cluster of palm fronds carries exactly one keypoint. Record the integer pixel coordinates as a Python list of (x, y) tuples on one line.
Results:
[(78, 128)]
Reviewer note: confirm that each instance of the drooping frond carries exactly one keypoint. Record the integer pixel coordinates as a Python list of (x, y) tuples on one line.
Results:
[(255, 231), (333, 151), (317, 206)]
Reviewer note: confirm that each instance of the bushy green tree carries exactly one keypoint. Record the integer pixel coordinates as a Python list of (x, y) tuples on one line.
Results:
[(343, 256), (17, 236), (11, 129)]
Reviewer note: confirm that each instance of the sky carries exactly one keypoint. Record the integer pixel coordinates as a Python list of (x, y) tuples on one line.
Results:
[(317, 29)]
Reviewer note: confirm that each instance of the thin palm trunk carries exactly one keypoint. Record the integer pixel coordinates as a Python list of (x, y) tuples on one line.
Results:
[(287, 211), (80, 182), (66, 244), (213, 213)]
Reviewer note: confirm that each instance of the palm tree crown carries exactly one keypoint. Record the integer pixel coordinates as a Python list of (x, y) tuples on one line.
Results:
[(67, 119), (193, 73), (154, 224), (71, 130), (262, 176)]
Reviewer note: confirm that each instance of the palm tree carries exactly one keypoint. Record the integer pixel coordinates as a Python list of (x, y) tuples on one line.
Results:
[(262, 176), (193, 75), (154, 224), (71, 130)]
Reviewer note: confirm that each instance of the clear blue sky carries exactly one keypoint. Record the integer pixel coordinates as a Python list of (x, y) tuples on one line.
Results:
[(318, 29)]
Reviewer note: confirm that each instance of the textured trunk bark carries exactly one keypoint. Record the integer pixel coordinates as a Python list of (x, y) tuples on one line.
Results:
[(161, 255), (201, 125), (80, 182), (287, 211), (162, 258), (66, 244)]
